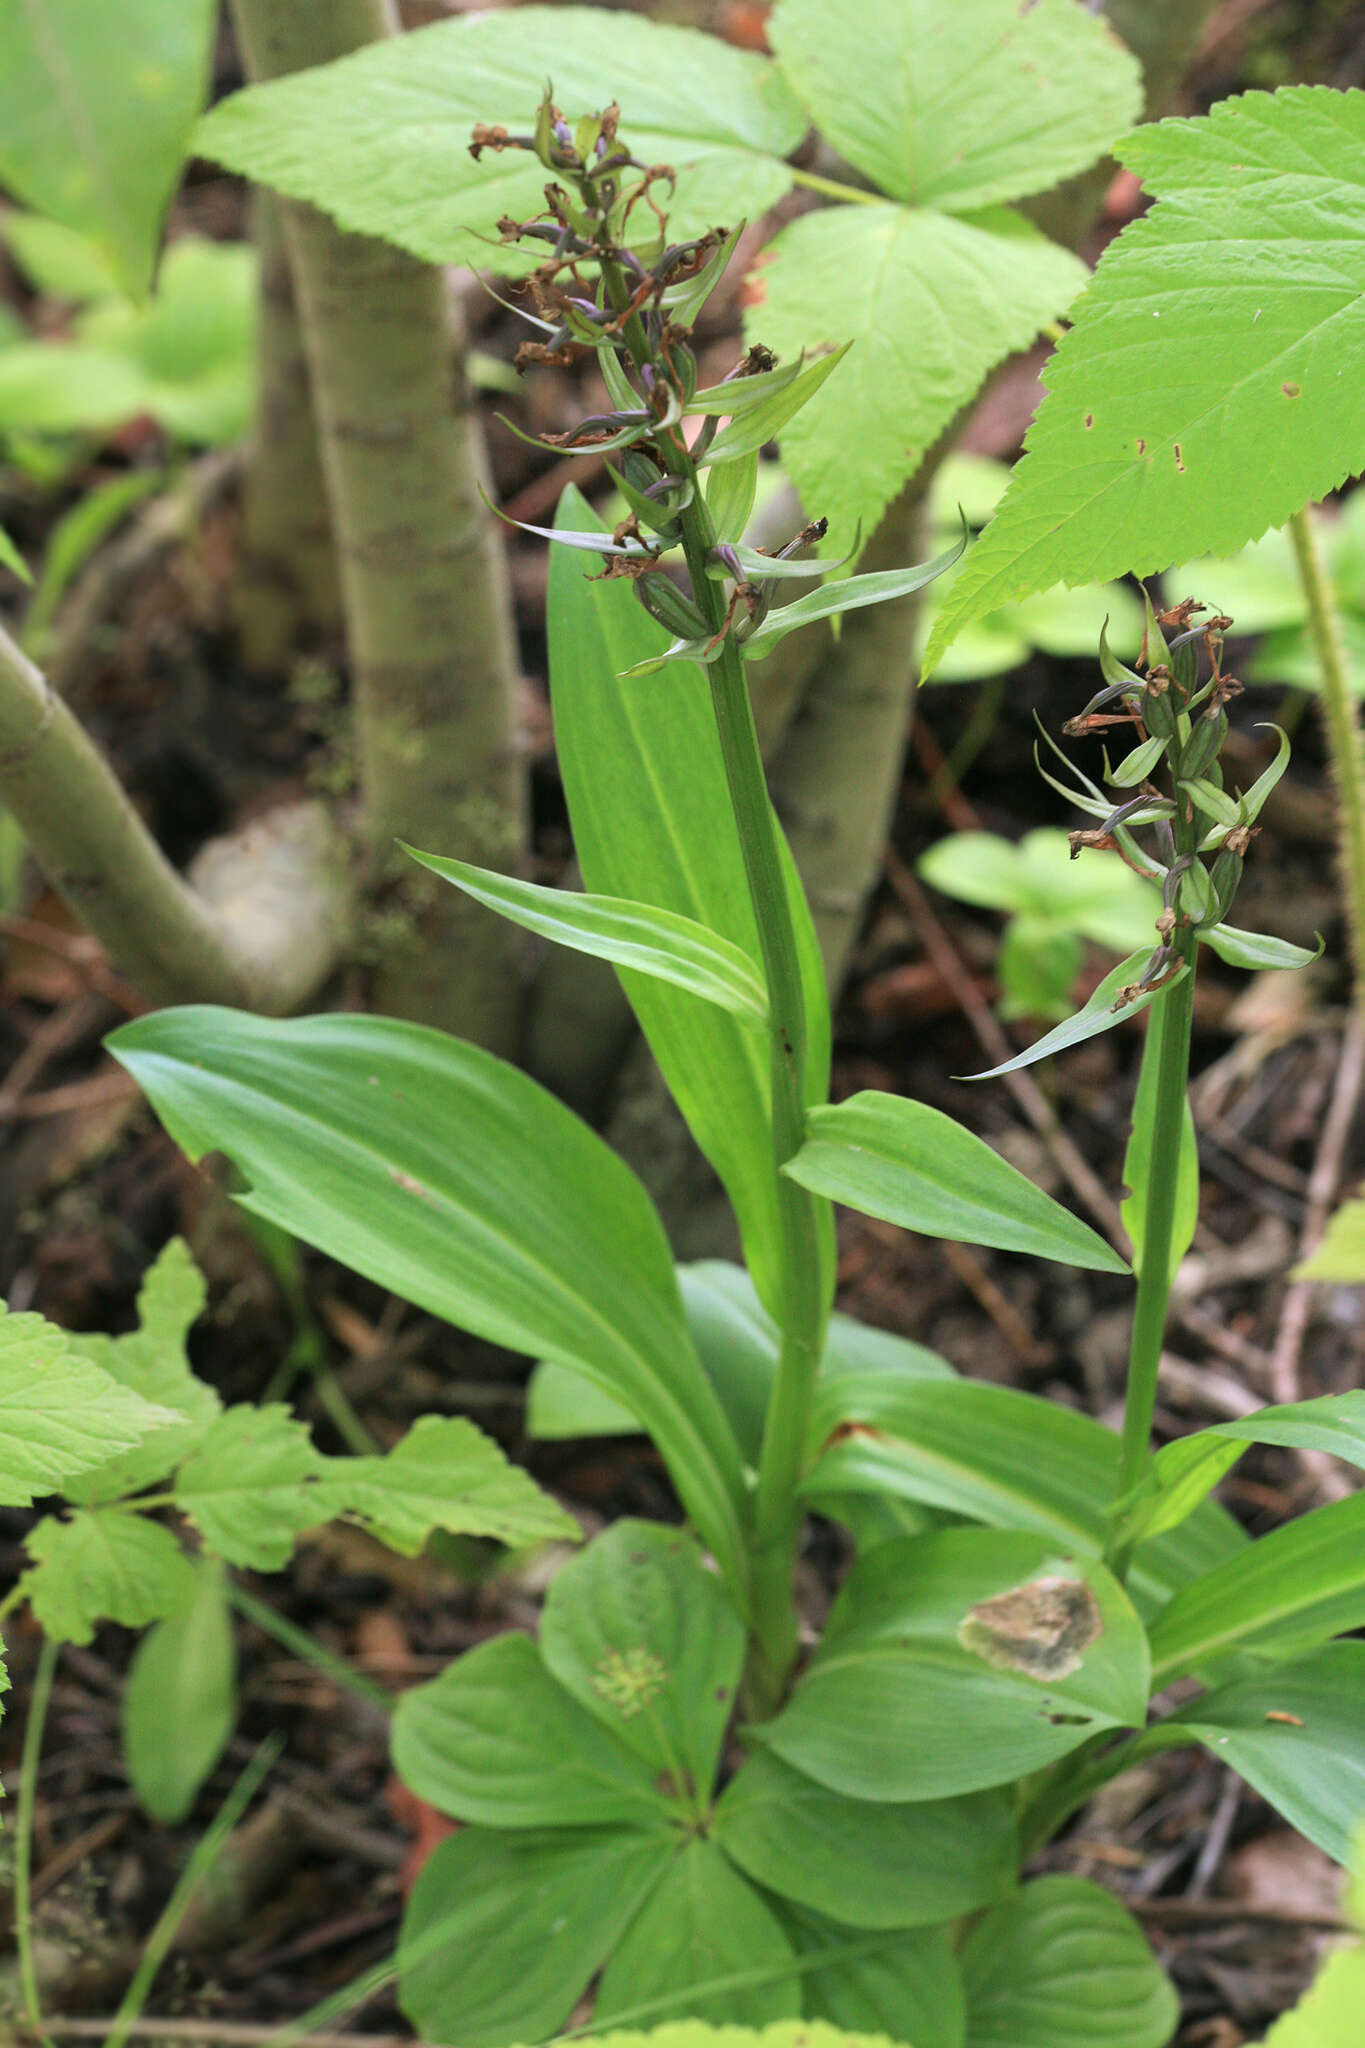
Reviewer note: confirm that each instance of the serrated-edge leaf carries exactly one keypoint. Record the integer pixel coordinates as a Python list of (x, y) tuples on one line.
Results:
[(101, 1564), (60, 1414)]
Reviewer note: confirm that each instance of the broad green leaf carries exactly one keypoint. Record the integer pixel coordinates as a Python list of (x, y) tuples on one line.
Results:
[(1255, 950), (905, 1984), (633, 935), (643, 1636), (151, 1361), (103, 1565), (1328, 2014), (862, 1863), (447, 1175), (999, 1456), (1184, 1471), (561, 1404), (1099, 899), (781, 2034), (444, 1474), (252, 1483), (932, 303), (192, 346), (96, 109), (380, 139), (180, 1699), (1037, 966), (1258, 588), (1297, 1735), (1214, 338), (63, 387), (960, 1660), (652, 821), (1341, 1255), (504, 1931), (1288, 1590), (1137, 1161), (730, 492), (978, 867), (496, 1740), (912, 1165), (959, 109), (703, 1922), (60, 1414), (57, 261), (1068, 623), (1103, 1011), (1064, 1965)]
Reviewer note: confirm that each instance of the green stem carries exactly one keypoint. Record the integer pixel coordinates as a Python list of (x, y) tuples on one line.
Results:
[(23, 1836), (1168, 1043), (1342, 720), (308, 1649), (833, 188), (777, 1516)]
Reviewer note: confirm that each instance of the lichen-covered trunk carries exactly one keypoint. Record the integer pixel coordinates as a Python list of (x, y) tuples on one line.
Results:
[(423, 584), (287, 593)]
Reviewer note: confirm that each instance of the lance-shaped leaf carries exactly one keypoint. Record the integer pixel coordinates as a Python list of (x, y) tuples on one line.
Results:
[(1184, 1471), (445, 1174), (180, 1699), (749, 430), (901, 1985), (738, 395), (846, 594), (103, 1565), (634, 935), (505, 1929), (495, 1740), (1213, 338), (931, 302), (960, 1660), (1064, 1965), (652, 820), (60, 1414), (958, 110), (380, 139), (1286, 1591), (96, 109), (1297, 1734), (1103, 1011), (1341, 1255), (1255, 950), (912, 1165), (864, 1863)]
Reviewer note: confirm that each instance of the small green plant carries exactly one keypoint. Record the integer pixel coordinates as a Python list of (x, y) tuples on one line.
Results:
[(1052, 903), (663, 1793), (122, 1430)]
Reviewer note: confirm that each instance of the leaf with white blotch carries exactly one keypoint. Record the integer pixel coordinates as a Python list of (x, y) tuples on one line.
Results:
[(380, 139), (960, 1660), (103, 1565), (151, 1361), (444, 1474), (1064, 1965), (1217, 337), (932, 302), (61, 1414), (958, 108), (634, 935), (910, 1164)]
